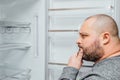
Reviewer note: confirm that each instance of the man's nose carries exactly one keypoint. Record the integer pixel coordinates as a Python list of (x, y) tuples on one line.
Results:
[(78, 41)]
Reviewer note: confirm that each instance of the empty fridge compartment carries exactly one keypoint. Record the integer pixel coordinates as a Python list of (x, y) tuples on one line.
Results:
[(10, 73), (54, 72), (82, 13), (65, 22), (61, 46)]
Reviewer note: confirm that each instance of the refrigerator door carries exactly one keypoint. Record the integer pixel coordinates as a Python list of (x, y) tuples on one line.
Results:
[(22, 39)]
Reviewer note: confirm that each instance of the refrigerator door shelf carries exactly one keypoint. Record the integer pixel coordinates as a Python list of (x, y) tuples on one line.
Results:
[(14, 27), (14, 23), (10, 46)]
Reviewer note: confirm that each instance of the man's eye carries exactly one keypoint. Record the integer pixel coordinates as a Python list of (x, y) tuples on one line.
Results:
[(83, 36)]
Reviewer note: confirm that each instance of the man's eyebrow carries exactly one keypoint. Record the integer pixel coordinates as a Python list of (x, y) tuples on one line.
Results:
[(83, 33)]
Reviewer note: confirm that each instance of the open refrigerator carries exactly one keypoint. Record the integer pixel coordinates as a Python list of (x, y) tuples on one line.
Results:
[(37, 37), (64, 18)]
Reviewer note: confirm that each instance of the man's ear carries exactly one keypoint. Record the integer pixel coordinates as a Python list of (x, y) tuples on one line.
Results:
[(105, 37)]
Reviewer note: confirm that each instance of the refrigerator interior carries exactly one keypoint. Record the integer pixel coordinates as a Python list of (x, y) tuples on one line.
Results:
[(64, 20), (20, 21)]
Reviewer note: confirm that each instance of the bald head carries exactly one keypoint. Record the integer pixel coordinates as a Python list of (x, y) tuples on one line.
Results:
[(103, 23)]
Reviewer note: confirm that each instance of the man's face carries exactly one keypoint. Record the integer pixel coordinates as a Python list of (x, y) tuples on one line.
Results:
[(92, 52), (90, 43)]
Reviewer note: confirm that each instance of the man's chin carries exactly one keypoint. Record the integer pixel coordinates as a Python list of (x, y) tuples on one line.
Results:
[(89, 59)]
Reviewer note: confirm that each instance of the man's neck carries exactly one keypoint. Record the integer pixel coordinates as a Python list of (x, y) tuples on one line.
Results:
[(111, 51)]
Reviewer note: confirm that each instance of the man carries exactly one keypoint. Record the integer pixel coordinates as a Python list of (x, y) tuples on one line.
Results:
[(98, 42)]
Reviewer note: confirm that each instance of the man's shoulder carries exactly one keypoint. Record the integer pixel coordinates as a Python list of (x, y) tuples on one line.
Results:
[(109, 63), (108, 67)]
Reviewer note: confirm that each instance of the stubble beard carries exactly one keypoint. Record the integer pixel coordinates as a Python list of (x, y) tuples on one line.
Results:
[(93, 53)]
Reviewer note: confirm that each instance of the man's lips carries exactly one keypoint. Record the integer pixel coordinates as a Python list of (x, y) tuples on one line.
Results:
[(80, 47)]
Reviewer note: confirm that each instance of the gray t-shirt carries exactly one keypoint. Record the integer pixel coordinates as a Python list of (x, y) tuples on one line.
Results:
[(107, 69)]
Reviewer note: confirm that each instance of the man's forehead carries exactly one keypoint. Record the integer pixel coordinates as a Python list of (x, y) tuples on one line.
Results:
[(86, 30)]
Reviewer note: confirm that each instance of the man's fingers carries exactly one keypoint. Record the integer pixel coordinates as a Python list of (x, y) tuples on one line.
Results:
[(80, 53)]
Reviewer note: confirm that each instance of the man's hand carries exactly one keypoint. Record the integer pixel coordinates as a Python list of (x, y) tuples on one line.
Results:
[(76, 60)]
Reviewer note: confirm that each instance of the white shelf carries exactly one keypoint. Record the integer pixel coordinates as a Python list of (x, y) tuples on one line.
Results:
[(80, 3), (10, 46), (13, 23), (80, 12)]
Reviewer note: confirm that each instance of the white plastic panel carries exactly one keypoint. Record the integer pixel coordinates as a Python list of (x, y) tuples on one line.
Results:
[(23, 11), (62, 45), (65, 22), (81, 3), (81, 12), (14, 73), (70, 20)]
